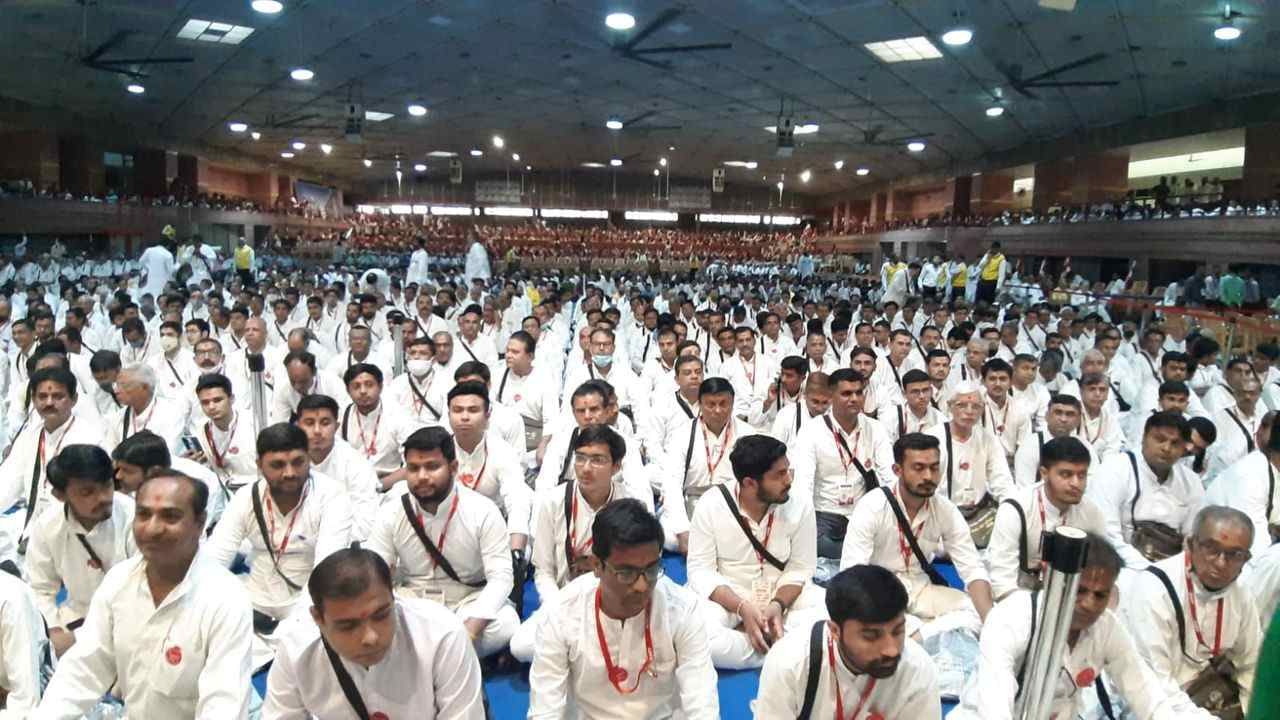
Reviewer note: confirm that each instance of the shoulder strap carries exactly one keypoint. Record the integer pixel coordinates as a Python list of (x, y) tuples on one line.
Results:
[(903, 525), (799, 417), (815, 670), (345, 682), (421, 398), (684, 406), (1271, 488), (869, 481), (760, 549), (1023, 549), (466, 347), (688, 453), (502, 386), (1248, 436), (36, 471), (346, 419), (266, 538), (124, 426), (440, 560), (1031, 638), (568, 520), (946, 429), (1137, 486), (568, 456), (1177, 607)]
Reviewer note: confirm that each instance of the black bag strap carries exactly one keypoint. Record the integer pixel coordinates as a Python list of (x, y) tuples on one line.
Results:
[(759, 547), (688, 452), (815, 670), (568, 456), (346, 683), (36, 471), (266, 539), (905, 526), (946, 429), (1023, 549), (84, 542), (1271, 488), (1031, 639), (688, 411), (1177, 609), (466, 347), (502, 386), (440, 560), (1137, 487), (346, 420), (421, 398), (1124, 404), (869, 481), (568, 520), (799, 417), (124, 426), (1248, 436), (1103, 698)]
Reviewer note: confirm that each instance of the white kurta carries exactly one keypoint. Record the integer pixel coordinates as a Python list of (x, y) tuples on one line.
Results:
[(56, 558), (1250, 485), (1039, 515), (24, 649), (823, 471), (1172, 502)]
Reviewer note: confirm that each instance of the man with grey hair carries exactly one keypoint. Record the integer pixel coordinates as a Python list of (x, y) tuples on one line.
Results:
[(140, 409), (1189, 617)]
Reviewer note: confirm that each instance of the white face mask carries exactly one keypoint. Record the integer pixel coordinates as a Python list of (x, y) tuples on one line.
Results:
[(169, 343), (418, 367)]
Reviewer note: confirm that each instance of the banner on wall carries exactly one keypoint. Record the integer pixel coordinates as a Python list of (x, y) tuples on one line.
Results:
[(689, 197), (319, 196), (497, 192)]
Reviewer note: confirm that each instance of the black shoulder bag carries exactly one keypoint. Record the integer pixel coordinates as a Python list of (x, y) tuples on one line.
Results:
[(815, 670)]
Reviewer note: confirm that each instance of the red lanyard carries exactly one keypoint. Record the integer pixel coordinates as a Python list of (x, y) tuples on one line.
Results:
[(706, 447), (1195, 623), (444, 534), (370, 448), (284, 544), (56, 450), (835, 437), (213, 447), (1003, 418), (578, 550), (475, 479), (903, 546), (768, 532), (835, 679), (618, 674), (751, 374)]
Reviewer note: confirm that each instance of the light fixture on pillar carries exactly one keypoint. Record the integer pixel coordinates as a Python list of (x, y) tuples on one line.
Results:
[(299, 145), (417, 109), (805, 175), (420, 168), (616, 162), (662, 162), (1227, 30), (267, 7), (498, 142), (839, 164), (286, 155)]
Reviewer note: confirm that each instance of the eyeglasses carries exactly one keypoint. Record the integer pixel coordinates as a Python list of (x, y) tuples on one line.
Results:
[(628, 576), (595, 461), (1213, 552)]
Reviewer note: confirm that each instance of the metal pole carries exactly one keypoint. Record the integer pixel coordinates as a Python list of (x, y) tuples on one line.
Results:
[(257, 389), (397, 340), (1065, 552)]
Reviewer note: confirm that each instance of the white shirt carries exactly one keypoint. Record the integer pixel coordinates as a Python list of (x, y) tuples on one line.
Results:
[(1249, 485), (477, 546), (379, 435), (57, 558), (419, 266), (708, 465), (569, 669), (557, 465), (899, 420), (1237, 437), (173, 373), (285, 399), (430, 671), (425, 400), (1009, 542), (1262, 576), (720, 554), (1172, 502), (910, 693), (160, 416), (493, 469), (550, 563), (314, 529), (231, 454), (533, 396), (823, 470), (187, 658), (1106, 645), (1147, 607), (24, 649), (978, 467)]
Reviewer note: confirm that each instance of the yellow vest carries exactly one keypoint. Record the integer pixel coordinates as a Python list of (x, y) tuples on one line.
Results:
[(243, 256), (991, 271), (961, 277)]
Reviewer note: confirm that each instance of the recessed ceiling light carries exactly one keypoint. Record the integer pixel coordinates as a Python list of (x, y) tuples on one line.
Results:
[(662, 162), (237, 127), (299, 145), (958, 36), (995, 111), (528, 167), (417, 110), (804, 129), (904, 50), (620, 21), (255, 135), (442, 154), (863, 172), (214, 32), (804, 176), (368, 162), (286, 155), (592, 165), (301, 74), (671, 148), (376, 116), (267, 7), (779, 186), (135, 88), (420, 168), (751, 165), (616, 162), (656, 172), (476, 152), (915, 145), (515, 157), (839, 164), (326, 148), (498, 142), (1227, 31), (613, 123)]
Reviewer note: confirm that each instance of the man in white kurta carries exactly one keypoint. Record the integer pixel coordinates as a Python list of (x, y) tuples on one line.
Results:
[(332, 457), (25, 655), (374, 428), (1249, 485), (159, 267)]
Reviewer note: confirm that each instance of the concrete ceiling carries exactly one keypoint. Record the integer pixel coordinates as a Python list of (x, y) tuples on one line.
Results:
[(545, 74)]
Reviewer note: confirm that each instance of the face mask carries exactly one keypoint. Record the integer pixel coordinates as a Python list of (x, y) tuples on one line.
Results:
[(602, 361), (418, 367), (169, 343), (137, 344)]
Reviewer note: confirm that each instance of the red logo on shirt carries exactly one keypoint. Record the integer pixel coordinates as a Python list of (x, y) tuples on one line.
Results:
[(173, 655), (234, 451), (379, 716), (618, 675), (964, 466), (518, 398), (95, 564), (1085, 677), (875, 716)]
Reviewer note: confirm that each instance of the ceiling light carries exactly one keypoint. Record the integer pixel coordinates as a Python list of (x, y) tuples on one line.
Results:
[(620, 21), (616, 162), (863, 172), (805, 129), (995, 111), (214, 32), (376, 116), (904, 50), (779, 186), (592, 165), (420, 168), (255, 135), (671, 148), (237, 127), (662, 162), (804, 176), (301, 74), (528, 167), (498, 142), (656, 172), (326, 148), (613, 123), (1227, 30), (267, 7), (957, 37), (515, 157), (286, 155), (839, 164), (299, 145), (417, 110), (442, 154), (915, 145), (368, 162), (476, 152), (135, 88)]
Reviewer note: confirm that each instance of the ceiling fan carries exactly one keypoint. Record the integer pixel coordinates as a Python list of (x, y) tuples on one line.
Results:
[(95, 59), (871, 136), (632, 124), (1024, 85), (631, 49)]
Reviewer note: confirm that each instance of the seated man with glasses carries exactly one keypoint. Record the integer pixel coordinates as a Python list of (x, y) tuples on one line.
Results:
[(1193, 621), (562, 520), (624, 642)]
